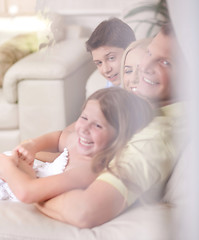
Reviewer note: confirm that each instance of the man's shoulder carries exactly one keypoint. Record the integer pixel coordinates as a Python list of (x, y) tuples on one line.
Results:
[(174, 110), (169, 121)]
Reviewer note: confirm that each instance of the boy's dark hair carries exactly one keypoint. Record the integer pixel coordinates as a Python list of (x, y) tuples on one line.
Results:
[(113, 32)]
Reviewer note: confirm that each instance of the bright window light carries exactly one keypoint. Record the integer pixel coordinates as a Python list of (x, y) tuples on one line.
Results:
[(23, 24), (13, 10)]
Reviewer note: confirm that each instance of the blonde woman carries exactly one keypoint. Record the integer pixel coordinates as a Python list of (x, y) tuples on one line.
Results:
[(131, 59)]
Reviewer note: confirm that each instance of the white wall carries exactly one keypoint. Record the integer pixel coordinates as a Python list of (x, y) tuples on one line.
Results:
[(90, 13), (24, 6), (81, 6)]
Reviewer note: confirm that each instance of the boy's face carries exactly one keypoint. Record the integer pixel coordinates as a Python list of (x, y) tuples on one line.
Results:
[(108, 61), (156, 71)]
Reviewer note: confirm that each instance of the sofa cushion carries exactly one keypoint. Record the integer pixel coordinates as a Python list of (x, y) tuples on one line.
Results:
[(9, 114), (9, 139), (182, 195), (95, 82), (21, 221), (178, 184)]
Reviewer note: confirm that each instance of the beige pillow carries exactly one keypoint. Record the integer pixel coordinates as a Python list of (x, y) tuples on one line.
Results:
[(15, 49)]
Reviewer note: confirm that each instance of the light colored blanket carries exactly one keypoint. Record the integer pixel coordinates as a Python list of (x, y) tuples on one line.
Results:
[(16, 48)]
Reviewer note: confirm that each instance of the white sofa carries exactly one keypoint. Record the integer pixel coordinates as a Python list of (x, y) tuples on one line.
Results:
[(44, 97), (44, 91), (162, 221), (95, 81)]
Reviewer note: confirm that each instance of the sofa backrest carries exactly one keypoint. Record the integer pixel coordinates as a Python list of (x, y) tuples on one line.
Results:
[(95, 82), (176, 189)]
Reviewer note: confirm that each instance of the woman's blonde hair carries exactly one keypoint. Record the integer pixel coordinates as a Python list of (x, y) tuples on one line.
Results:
[(127, 113), (143, 43)]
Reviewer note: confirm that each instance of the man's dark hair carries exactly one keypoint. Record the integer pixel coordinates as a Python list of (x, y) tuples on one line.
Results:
[(113, 32), (167, 29)]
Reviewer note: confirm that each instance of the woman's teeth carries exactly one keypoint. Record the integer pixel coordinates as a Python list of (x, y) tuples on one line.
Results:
[(149, 81)]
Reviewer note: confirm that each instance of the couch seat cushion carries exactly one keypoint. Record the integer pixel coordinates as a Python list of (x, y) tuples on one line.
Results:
[(25, 222), (9, 114)]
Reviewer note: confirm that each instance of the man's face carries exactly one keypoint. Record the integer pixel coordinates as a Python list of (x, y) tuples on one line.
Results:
[(108, 61), (156, 71)]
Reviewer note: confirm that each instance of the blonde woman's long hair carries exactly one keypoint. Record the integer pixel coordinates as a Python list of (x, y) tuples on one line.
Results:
[(127, 113)]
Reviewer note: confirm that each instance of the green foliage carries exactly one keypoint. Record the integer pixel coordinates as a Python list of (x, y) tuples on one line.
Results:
[(159, 12)]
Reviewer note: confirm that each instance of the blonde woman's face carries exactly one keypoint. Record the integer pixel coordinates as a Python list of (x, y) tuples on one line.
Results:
[(94, 132), (131, 65)]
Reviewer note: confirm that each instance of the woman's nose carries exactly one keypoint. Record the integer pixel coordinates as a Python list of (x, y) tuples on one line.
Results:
[(126, 80), (135, 77)]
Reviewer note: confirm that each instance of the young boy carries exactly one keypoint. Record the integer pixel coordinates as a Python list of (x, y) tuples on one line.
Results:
[(106, 45)]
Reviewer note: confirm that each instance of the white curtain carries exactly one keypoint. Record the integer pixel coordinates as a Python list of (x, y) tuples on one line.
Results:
[(185, 18)]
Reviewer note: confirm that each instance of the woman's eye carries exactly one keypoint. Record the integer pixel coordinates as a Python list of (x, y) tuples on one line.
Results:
[(128, 70), (84, 118)]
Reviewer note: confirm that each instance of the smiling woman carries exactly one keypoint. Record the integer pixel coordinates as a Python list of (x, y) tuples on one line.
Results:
[(130, 63)]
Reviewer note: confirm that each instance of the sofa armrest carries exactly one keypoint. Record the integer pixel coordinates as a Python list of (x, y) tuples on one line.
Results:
[(55, 62), (49, 87)]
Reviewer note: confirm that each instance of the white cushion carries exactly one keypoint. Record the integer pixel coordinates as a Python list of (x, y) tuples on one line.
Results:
[(9, 139), (9, 114), (95, 82), (178, 184), (22, 221), (182, 196)]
